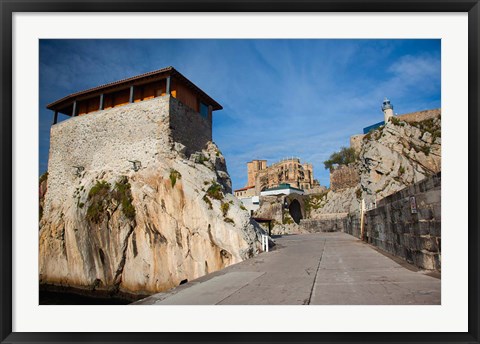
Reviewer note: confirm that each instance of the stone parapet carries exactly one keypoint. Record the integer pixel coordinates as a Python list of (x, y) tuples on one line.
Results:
[(420, 116), (406, 224), (324, 223)]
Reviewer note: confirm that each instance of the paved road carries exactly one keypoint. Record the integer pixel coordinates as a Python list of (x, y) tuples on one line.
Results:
[(315, 269)]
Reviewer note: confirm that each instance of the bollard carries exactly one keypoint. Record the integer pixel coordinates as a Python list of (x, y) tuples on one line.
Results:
[(264, 243)]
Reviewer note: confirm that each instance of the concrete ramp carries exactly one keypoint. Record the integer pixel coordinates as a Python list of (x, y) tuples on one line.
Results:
[(210, 292), (311, 269)]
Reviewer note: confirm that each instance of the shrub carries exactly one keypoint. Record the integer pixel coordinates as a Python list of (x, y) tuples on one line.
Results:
[(228, 220), (225, 207), (43, 178), (425, 149), (287, 219), (243, 207), (394, 120), (344, 157), (122, 194), (215, 191), (100, 189), (358, 193), (401, 170), (100, 197), (207, 200), (174, 175)]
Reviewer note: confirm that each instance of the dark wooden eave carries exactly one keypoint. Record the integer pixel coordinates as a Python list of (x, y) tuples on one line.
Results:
[(159, 74)]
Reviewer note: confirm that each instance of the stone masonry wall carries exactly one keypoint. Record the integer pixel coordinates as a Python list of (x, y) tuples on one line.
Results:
[(351, 224), (324, 223), (415, 237), (189, 127), (420, 115), (106, 140), (344, 177)]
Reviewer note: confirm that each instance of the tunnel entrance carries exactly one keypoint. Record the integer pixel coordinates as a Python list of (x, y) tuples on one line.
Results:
[(295, 211)]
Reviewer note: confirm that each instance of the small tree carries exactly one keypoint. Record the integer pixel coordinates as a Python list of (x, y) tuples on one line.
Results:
[(344, 157)]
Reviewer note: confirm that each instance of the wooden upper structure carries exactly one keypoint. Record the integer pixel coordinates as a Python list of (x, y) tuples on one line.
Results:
[(135, 89)]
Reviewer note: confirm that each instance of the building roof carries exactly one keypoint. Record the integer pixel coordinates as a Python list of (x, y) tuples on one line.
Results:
[(245, 188), (283, 186), (132, 80)]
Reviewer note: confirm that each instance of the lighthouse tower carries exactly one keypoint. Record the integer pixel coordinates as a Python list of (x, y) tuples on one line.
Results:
[(387, 109)]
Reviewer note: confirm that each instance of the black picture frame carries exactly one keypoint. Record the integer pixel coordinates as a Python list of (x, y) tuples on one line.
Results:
[(8, 7)]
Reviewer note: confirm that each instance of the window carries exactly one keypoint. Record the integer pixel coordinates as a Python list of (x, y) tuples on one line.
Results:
[(204, 110)]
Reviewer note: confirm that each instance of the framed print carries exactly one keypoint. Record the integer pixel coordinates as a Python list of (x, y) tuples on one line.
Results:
[(241, 171)]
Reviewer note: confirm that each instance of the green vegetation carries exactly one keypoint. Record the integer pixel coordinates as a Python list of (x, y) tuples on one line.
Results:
[(207, 200), (367, 137), (358, 193), (397, 121), (98, 198), (43, 178), (174, 175), (101, 197), (100, 189), (430, 126), (215, 191), (228, 220), (225, 207), (344, 157), (314, 201), (401, 170), (201, 159), (122, 194), (287, 219), (425, 148), (242, 207)]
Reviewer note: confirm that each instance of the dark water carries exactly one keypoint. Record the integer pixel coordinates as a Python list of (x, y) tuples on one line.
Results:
[(65, 298)]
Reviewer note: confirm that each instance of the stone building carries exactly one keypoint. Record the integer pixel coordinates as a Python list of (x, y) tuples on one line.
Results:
[(126, 125), (188, 108), (291, 171)]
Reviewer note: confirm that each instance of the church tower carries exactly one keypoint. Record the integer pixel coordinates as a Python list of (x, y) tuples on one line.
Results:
[(387, 109)]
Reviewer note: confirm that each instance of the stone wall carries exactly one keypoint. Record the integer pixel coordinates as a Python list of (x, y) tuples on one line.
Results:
[(106, 140), (324, 223), (420, 115), (394, 228), (344, 177), (189, 127), (351, 224), (109, 140)]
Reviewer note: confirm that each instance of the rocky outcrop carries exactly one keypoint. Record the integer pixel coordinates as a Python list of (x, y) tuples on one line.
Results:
[(343, 201), (392, 157), (146, 231), (397, 155)]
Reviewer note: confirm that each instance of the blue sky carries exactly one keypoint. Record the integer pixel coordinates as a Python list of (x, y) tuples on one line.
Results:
[(281, 98)]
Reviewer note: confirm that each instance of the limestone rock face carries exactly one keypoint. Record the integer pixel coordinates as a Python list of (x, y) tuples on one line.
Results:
[(341, 201), (391, 158), (146, 231), (398, 155)]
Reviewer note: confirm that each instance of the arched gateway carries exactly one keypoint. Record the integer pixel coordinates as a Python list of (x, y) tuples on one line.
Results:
[(295, 205)]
